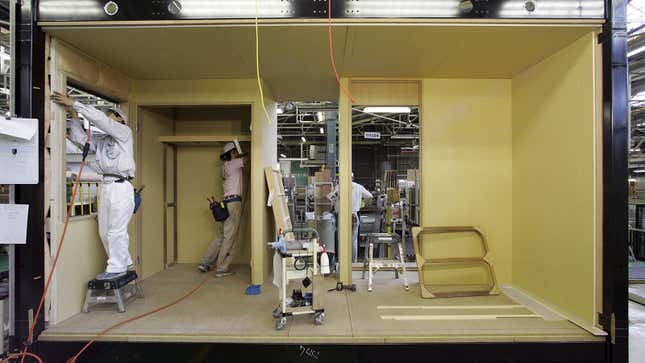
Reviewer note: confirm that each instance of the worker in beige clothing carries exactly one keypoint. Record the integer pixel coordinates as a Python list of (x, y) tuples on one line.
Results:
[(220, 252)]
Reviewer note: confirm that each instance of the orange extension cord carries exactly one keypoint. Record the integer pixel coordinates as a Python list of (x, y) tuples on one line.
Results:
[(24, 352), (73, 359), (331, 56)]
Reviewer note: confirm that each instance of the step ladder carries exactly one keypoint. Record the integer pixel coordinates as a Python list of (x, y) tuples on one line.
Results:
[(115, 291)]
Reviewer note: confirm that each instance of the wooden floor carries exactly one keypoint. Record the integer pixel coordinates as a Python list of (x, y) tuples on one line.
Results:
[(220, 312)]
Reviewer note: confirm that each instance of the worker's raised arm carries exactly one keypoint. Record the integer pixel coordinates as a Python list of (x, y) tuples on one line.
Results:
[(99, 119), (78, 134)]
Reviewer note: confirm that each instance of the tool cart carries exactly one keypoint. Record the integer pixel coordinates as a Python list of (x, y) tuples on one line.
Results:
[(297, 260)]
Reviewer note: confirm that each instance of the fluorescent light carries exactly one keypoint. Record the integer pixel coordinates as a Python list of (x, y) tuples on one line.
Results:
[(631, 179), (283, 155), (303, 139), (322, 131), (279, 111), (639, 171), (320, 116), (387, 109)]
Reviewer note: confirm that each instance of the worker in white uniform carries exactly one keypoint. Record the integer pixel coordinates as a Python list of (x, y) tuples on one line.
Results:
[(358, 194), (221, 250), (114, 160)]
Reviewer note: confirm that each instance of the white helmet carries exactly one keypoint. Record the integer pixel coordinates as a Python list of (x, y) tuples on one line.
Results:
[(228, 147)]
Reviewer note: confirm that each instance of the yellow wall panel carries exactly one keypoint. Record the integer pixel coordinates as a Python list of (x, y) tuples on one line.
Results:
[(385, 93), (153, 123), (213, 121), (82, 258), (554, 179), (467, 160)]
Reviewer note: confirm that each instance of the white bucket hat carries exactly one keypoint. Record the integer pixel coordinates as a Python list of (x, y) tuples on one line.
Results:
[(228, 147)]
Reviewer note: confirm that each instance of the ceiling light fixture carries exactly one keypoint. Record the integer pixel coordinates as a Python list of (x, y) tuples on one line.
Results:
[(320, 116), (322, 131), (387, 109), (303, 139), (283, 156), (639, 171), (279, 111)]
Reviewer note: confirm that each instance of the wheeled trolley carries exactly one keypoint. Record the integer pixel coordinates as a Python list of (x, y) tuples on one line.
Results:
[(298, 261)]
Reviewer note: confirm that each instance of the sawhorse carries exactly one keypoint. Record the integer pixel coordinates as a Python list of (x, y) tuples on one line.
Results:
[(115, 291)]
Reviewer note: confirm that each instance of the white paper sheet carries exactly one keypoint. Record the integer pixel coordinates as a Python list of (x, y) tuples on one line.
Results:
[(13, 223), (18, 155), (18, 128)]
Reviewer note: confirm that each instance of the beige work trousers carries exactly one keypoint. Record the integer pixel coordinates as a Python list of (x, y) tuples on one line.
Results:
[(221, 250)]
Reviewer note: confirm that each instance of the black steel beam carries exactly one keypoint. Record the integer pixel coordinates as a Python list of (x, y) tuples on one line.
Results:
[(615, 173), (54, 352), (30, 85), (151, 10)]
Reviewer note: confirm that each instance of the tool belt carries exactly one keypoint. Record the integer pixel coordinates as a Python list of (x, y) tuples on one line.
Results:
[(232, 198), (119, 178), (219, 210)]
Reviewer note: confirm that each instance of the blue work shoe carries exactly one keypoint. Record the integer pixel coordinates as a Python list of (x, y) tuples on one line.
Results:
[(203, 268), (110, 275)]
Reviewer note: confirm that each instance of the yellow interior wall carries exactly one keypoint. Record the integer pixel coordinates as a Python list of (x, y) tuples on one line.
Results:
[(195, 226), (213, 121), (153, 123), (554, 179), (467, 159), (81, 259), (263, 136), (345, 180)]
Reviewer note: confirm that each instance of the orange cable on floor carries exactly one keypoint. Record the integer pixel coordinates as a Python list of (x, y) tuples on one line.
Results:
[(129, 320), (331, 55), (159, 309)]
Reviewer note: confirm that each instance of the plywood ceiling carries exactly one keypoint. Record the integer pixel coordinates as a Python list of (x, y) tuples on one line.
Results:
[(295, 60)]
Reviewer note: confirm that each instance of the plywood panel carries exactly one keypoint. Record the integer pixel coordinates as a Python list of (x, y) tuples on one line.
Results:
[(224, 121), (554, 179), (466, 170), (82, 258), (199, 175), (386, 93), (114, 81), (77, 66), (411, 51), (153, 123)]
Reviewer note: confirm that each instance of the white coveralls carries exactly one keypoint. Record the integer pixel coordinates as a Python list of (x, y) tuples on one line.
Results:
[(114, 155), (358, 194)]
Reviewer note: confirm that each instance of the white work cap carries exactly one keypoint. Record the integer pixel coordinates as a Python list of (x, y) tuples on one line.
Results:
[(119, 112), (228, 147)]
